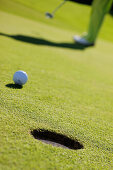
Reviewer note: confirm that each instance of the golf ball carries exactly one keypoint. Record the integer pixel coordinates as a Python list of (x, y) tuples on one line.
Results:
[(20, 77)]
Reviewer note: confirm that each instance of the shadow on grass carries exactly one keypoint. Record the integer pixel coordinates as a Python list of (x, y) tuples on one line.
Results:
[(40, 41), (14, 86)]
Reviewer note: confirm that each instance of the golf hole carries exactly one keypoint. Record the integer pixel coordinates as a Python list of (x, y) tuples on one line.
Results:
[(56, 139)]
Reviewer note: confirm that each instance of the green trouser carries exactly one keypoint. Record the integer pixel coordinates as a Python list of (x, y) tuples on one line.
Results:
[(99, 9)]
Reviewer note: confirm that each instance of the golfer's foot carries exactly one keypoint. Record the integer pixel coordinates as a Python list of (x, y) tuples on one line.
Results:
[(82, 41)]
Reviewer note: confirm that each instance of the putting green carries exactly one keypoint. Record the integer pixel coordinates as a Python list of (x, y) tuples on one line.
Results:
[(69, 91)]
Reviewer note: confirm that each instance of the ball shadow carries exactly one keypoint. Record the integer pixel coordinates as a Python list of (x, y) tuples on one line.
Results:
[(14, 86)]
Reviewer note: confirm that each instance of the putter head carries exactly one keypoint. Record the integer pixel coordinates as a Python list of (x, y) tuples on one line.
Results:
[(49, 15)]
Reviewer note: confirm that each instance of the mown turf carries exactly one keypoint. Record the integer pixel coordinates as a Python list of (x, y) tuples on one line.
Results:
[(70, 90)]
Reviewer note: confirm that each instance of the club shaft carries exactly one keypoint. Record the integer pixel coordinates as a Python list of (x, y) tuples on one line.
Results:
[(58, 6)]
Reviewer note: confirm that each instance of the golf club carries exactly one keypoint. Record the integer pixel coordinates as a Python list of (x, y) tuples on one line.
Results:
[(51, 15)]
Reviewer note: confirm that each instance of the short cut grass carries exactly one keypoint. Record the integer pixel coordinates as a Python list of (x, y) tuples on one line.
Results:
[(69, 91)]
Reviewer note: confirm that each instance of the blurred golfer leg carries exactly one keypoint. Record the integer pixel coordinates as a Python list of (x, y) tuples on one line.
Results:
[(99, 9)]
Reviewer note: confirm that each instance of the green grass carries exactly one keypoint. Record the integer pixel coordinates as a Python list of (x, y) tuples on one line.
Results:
[(69, 91)]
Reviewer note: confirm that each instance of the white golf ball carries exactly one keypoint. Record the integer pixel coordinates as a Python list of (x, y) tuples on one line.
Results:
[(20, 77)]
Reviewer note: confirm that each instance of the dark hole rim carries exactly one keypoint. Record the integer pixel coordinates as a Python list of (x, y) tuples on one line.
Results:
[(53, 137)]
